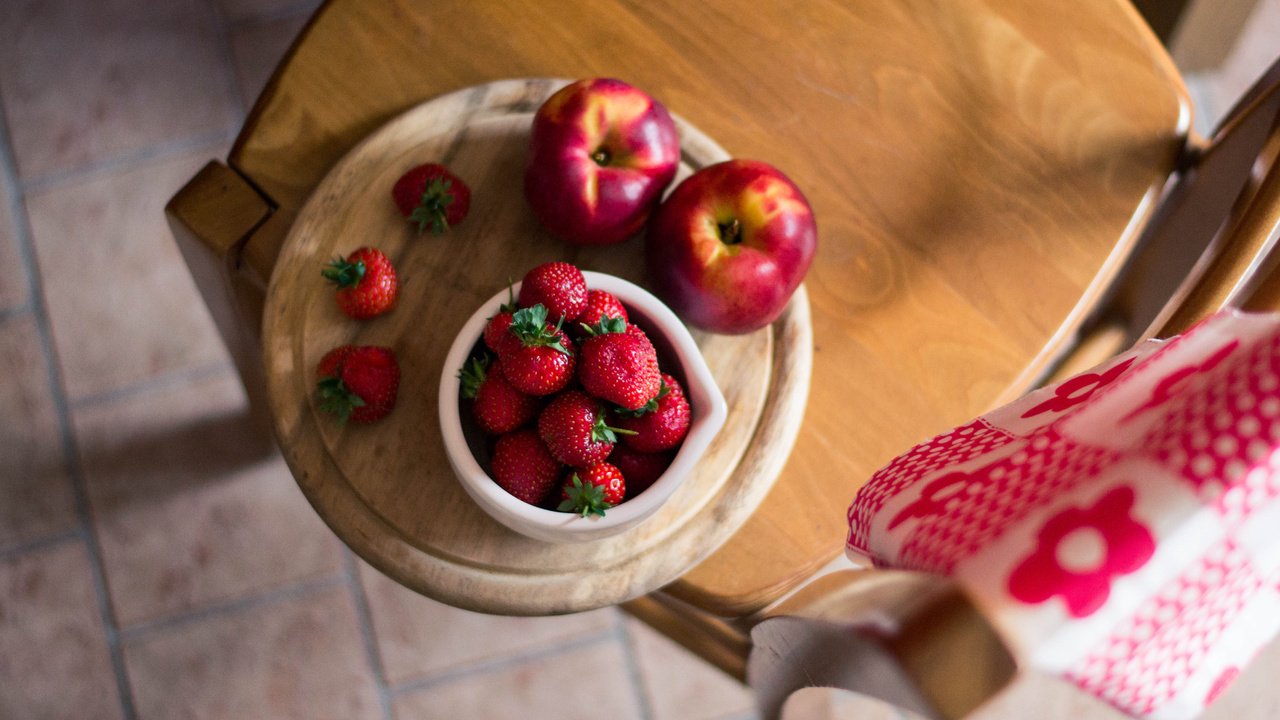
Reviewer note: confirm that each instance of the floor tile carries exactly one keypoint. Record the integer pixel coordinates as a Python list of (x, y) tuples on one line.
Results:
[(123, 305), (187, 511), (818, 703), (84, 81), (1252, 53), (296, 658), (240, 10), (35, 492), (14, 287), (585, 683), (680, 686), (419, 637), (53, 651), (1048, 698), (258, 46), (1254, 695)]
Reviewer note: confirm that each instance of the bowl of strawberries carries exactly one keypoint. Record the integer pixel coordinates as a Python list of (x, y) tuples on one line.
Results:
[(573, 404)]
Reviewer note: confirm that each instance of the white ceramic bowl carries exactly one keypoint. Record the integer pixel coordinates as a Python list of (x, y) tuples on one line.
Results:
[(669, 335)]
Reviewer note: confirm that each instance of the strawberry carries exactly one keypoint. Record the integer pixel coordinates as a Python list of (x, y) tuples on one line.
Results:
[(431, 196), (557, 286), (619, 366), (497, 332), (498, 407), (574, 428), (358, 383), (367, 284), (600, 305), (544, 361), (592, 490), (662, 423), (639, 468), (523, 467)]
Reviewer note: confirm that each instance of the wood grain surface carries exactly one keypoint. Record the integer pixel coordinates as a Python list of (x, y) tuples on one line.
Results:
[(978, 169), (393, 476)]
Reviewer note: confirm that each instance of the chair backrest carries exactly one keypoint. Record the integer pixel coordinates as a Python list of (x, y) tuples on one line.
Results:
[(979, 169)]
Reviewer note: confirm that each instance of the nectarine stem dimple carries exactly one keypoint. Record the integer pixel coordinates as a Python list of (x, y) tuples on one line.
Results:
[(730, 232), (601, 157)]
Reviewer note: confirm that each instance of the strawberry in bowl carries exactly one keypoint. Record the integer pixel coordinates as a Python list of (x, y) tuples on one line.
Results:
[(554, 478)]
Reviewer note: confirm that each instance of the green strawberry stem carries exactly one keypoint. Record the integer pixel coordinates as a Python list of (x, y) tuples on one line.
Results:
[(472, 375), (608, 324), (601, 431), (335, 397), (530, 325), (432, 208), (510, 304), (584, 499), (651, 406), (344, 274)]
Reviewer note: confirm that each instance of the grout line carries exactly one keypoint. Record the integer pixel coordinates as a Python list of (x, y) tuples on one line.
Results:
[(156, 383), (367, 635), (15, 312), (635, 672), (231, 76), (42, 543), (244, 603), (57, 390), (503, 663), (130, 159), (302, 7)]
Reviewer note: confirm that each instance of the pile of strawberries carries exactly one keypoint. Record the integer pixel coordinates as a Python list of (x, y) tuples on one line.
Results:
[(573, 393), (582, 415)]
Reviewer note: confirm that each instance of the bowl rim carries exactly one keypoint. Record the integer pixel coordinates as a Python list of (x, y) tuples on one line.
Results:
[(707, 403)]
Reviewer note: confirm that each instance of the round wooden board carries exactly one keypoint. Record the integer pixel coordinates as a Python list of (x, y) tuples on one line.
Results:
[(386, 489)]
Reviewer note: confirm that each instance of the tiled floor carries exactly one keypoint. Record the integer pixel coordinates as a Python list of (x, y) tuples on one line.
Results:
[(154, 561)]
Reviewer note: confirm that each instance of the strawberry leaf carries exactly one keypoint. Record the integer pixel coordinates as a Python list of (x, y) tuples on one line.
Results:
[(335, 397), (344, 274), (651, 406), (472, 375), (603, 432), (608, 324), (530, 325), (584, 499), (433, 208)]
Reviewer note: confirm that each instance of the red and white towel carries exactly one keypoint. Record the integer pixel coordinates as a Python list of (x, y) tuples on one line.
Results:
[(1122, 528)]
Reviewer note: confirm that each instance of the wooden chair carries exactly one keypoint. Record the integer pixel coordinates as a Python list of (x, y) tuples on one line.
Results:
[(915, 640), (982, 171)]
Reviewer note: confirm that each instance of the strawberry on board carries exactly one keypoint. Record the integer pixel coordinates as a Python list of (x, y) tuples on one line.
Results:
[(358, 383), (661, 424), (573, 427), (600, 305), (523, 467), (498, 407), (432, 197), (619, 366), (639, 468), (591, 491), (367, 284), (557, 286), (544, 361)]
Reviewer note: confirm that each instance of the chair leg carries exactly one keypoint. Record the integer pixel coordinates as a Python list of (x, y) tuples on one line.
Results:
[(909, 639), (713, 639), (211, 217)]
